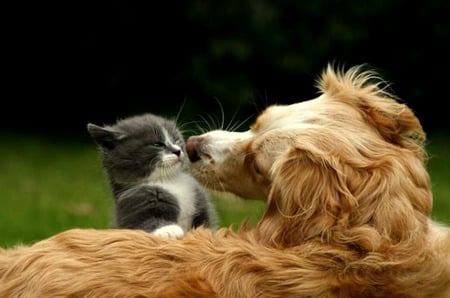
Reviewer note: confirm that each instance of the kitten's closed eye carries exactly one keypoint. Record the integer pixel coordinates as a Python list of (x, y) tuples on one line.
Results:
[(159, 144)]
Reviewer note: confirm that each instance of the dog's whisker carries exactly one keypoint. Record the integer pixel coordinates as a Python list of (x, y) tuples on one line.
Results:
[(179, 111), (191, 127), (207, 123), (222, 114), (214, 120), (229, 125), (200, 129), (238, 124), (187, 123)]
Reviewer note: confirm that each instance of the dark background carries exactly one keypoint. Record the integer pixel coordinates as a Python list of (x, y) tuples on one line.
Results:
[(69, 63)]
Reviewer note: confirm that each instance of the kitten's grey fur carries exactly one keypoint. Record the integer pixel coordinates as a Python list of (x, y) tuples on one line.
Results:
[(144, 159)]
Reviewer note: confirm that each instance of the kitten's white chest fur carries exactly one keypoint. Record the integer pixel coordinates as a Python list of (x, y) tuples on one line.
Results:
[(182, 187)]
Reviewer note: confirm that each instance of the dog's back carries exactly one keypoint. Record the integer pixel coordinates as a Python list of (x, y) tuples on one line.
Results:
[(440, 240)]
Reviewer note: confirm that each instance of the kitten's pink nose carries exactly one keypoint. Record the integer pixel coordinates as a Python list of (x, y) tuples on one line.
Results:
[(192, 147)]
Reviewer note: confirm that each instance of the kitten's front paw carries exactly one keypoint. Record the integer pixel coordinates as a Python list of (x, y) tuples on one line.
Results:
[(169, 231)]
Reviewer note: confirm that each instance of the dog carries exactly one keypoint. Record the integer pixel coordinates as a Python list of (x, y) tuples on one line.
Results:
[(348, 204)]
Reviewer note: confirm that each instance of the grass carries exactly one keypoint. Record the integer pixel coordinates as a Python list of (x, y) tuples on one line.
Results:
[(49, 184), (439, 168)]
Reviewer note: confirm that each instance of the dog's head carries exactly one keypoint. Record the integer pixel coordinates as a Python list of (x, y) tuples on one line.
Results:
[(349, 160)]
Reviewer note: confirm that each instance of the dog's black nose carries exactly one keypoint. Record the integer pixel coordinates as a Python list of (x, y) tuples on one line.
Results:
[(192, 148)]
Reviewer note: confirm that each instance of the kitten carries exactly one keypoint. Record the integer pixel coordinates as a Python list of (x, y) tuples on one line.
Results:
[(144, 158)]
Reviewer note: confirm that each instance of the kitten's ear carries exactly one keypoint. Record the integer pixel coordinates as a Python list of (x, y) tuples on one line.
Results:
[(105, 137)]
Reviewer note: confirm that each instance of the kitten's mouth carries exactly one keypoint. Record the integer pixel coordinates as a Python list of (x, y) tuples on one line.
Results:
[(175, 162), (171, 163)]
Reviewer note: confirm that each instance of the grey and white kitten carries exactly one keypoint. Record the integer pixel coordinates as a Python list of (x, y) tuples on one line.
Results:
[(144, 159)]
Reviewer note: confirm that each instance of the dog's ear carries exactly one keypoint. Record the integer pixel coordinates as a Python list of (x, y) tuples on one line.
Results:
[(308, 197), (395, 122), (104, 136), (344, 198), (367, 92)]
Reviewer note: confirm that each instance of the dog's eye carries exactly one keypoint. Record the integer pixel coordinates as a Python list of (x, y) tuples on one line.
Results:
[(256, 168)]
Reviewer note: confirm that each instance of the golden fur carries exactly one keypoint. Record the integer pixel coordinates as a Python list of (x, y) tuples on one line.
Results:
[(348, 214)]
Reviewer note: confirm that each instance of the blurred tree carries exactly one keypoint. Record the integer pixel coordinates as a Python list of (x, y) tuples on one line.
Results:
[(77, 62)]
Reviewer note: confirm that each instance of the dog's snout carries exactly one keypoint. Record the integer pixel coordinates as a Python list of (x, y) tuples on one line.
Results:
[(192, 145)]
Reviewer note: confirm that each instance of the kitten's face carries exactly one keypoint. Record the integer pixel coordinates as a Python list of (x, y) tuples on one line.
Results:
[(139, 148)]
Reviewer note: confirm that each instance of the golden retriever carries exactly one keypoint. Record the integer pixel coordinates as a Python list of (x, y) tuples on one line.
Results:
[(348, 214)]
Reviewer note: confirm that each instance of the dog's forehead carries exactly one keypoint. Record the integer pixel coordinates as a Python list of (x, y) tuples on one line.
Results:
[(278, 116), (272, 143), (229, 136)]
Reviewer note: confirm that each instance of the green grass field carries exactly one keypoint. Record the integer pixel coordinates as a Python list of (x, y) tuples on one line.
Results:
[(51, 184)]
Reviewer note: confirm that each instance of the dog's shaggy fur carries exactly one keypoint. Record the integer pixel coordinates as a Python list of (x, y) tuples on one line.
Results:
[(348, 205)]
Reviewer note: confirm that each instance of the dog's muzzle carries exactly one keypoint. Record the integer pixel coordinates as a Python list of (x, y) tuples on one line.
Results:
[(193, 145)]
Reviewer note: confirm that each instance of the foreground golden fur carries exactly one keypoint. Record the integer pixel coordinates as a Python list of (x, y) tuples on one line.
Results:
[(348, 204)]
